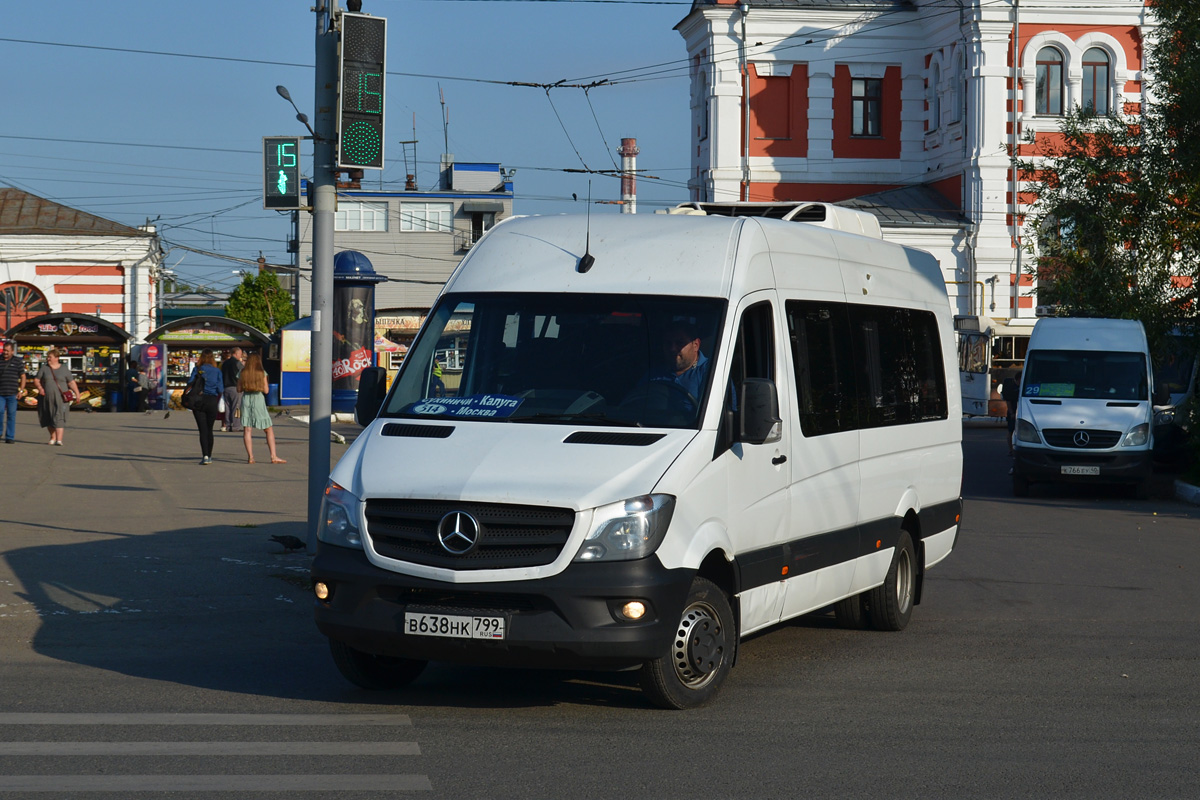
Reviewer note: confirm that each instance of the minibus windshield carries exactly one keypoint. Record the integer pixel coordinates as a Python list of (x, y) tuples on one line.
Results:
[(1086, 374), (555, 358)]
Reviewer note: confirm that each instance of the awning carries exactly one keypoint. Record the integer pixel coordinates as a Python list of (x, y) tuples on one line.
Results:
[(472, 206)]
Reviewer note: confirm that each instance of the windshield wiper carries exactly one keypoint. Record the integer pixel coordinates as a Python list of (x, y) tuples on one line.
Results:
[(582, 419)]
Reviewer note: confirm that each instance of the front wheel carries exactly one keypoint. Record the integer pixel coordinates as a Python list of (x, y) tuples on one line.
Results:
[(892, 603), (374, 672), (700, 654)]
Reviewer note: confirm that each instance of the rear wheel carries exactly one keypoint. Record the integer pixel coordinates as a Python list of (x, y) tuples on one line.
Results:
[(851, 613), (700, 654), (892, 603), (372, 671)]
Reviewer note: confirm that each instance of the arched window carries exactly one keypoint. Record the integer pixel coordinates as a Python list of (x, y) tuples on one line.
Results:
[(1096, 81), (1049, 82), (19, 302)]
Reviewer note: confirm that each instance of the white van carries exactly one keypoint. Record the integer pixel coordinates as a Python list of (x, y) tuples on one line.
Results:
[(668, 432), (1085, 412)]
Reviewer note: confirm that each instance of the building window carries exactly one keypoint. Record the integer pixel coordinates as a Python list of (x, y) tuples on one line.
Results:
[(435, 217), (935, 99), (866, 99), (1095, 81), (353, 215), (1049, 82)]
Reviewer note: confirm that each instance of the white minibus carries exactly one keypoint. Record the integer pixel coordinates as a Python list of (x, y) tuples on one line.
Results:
[(668, 432), (1085, 413)]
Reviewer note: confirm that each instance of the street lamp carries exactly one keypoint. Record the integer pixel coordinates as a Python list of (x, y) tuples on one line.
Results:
[(300, 115)]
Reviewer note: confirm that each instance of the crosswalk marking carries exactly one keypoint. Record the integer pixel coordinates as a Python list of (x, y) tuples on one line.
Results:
[(23, 718), (213, 783), (209, 749), (325, 782)]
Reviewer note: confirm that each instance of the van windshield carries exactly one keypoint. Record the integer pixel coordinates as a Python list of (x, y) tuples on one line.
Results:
[(625, 360), (1085, 374)]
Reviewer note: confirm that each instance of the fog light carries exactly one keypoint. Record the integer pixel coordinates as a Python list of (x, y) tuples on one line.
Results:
[(634, 609), (322, 590)]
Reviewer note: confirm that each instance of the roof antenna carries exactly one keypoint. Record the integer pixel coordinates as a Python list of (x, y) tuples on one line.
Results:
[(585, 263)]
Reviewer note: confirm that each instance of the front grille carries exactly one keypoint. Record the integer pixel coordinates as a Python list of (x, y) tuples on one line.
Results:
[(510, 535), (1065, 437), (458, 601)]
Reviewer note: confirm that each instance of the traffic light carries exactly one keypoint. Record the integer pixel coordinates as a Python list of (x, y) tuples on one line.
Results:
[(281, 172), (360, 103)]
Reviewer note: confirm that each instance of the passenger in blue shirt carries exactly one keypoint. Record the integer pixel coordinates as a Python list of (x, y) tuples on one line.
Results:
[(205, 411)]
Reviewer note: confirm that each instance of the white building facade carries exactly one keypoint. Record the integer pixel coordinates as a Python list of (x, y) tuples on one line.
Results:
[(58, 259), (906, 109)]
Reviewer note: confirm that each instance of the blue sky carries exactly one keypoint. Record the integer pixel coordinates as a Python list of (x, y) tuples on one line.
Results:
[(106, 110)]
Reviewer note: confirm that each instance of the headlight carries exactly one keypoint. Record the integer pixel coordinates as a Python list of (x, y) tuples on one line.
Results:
[(1138, 436), (1027, 433), (1164, 417), (339, 518), (629, 529)]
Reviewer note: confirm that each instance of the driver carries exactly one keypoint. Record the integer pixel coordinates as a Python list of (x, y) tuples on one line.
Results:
[(683, 363)]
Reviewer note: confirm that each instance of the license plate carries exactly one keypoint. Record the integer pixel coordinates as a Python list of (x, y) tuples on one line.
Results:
[(1080, 471), (454, 626)]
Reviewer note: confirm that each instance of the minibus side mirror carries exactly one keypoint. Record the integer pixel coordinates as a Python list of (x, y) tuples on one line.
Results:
[(758, 413), (372, 388), (1162, 394)]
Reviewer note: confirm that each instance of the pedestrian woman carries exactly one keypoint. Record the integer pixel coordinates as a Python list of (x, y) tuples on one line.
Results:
[(53, 381), (253, 386), (205, 411)]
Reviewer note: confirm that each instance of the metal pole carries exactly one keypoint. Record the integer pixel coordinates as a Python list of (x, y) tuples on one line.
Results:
[(324, 203)]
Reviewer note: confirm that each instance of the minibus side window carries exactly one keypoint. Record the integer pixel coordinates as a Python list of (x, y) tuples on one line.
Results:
[(900, 375), (821, 358)]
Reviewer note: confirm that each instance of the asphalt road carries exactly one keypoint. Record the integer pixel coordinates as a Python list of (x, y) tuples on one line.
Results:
[(152, 639)]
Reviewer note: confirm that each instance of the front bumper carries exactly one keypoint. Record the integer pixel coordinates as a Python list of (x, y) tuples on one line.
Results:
[(568, 620), (1045, 464)]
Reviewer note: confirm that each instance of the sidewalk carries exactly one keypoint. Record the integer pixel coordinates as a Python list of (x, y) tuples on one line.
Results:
[(129, 473)]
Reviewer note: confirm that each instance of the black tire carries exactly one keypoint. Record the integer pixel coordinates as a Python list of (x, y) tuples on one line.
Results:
[(374, 672), (891, 604), (1020, 485), (852, 613), (699, 656)]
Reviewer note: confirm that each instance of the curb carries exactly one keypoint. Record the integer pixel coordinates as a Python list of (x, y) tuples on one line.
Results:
[(1187, 492)]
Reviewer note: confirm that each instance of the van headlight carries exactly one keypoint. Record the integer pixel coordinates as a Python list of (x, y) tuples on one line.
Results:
[(1138, 436), (1164, 417), (339, 518), (1026, 432), (627, 530)]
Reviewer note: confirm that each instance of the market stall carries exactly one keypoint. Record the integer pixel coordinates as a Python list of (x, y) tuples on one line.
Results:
[(93, 349), (182, 340)]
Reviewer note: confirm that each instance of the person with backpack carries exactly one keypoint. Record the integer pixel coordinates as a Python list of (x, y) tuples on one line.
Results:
[(231, 370), (207, 379)]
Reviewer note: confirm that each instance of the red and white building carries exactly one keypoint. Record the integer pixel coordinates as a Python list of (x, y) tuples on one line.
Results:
[(908, 109), (58, 259)]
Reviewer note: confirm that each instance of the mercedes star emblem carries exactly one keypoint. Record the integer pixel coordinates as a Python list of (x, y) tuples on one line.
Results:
[(458, 533), (1082, 438)]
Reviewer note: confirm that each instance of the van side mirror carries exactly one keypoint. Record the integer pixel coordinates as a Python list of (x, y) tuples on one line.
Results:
[(758, 419), (1162, 394), (372, 388)]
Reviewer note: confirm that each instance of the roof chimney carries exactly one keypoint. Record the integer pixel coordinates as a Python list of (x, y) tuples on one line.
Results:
[(628, 152)]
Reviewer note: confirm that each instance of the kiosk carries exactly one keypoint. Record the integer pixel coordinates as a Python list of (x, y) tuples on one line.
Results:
[(94, 349), (181, 341)]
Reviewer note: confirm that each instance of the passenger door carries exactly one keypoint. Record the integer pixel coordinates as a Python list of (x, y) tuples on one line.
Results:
[(825, 484)]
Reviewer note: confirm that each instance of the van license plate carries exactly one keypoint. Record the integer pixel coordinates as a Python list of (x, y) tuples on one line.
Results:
[(1080, 471), (454, 626)]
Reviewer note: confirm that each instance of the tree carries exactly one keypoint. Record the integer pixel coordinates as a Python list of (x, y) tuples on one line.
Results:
[(1115, 221), (260, 301)]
